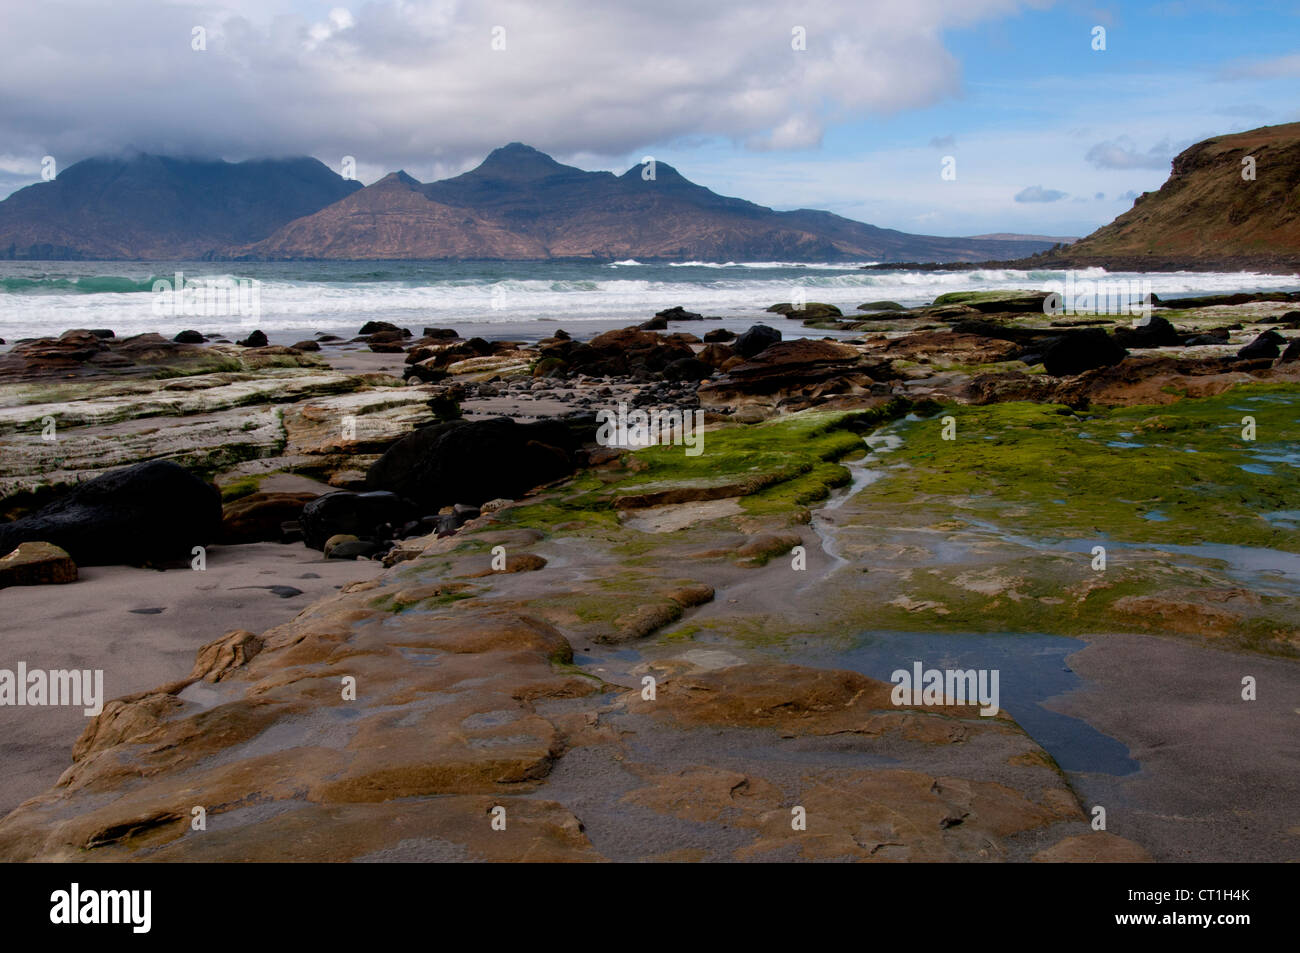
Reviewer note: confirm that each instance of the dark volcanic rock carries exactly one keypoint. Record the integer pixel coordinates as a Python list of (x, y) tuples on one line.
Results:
[(1213, 336), (424, 372), (1081, 351), (678, 313), (256, 339), (190, 337), (438, 356), (654, 324), (718, 335), (370, 514), (756, 339), (1292, 352), (621, 352), (992, 329), (472, 462), (376, 327), (687, 369), (1267, 344), (150, 512), (1154, 331), (441, 333)]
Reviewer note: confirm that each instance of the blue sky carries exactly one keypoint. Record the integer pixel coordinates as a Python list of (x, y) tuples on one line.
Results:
[(1048, 135), (1035, 100)]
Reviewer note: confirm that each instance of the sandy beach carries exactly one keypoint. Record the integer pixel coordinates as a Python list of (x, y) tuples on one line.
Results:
[(143, 627)]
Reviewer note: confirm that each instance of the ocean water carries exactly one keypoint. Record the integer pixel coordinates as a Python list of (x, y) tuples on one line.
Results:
[(291, 300)]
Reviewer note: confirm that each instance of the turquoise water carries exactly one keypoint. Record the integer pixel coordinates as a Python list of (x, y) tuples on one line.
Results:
[(296, 298)]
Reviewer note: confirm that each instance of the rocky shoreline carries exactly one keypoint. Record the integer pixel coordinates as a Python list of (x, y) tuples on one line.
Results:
[(517, 581)]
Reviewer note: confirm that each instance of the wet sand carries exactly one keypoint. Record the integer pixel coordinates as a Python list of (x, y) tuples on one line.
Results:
[(1220, 777), (91, 624)]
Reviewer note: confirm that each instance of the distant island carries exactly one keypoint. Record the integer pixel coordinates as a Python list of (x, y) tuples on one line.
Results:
[(518, 205)]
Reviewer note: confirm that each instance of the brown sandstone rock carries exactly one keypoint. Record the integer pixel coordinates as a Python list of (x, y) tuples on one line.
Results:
[(762, 548), (792, 375), (219, 657), (519, 562), (257, 517), (37, 564), (1098, 847)]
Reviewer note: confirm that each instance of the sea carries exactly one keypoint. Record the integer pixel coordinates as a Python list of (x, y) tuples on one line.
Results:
[(290, 301)]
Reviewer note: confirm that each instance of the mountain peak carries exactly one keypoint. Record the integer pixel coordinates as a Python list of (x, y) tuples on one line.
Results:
[(518, 161), (398, 178), (663, 172)]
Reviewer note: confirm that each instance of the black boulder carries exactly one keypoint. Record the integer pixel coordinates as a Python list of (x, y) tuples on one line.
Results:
[(155, 511), (370, 515), (460, 461), (758, 338), (1081, 351)]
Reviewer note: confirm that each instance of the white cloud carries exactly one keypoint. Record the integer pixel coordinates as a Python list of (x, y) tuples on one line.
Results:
[(797, 132), (398, 82), (1036, 193), (1120, 154), (1279, 67)]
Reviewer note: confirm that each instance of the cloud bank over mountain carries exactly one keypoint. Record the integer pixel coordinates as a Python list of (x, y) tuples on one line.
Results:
[(399, 83)]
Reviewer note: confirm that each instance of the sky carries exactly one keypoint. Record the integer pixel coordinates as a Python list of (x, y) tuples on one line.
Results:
[(945, 117)]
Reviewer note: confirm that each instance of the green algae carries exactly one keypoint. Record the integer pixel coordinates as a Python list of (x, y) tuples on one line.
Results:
[(1183, 462), (213, 365), (973, 297), (393, 604), (783, 464), (240, 488)]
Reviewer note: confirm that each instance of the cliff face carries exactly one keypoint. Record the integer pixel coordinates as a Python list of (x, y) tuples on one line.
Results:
[(1206, 215), (158, 207)]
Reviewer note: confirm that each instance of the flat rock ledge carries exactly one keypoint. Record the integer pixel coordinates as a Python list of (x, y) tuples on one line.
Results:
[(434, 714)]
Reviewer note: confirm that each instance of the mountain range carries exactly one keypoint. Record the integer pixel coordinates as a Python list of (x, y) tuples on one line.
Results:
[(519, 204), (158, 207)]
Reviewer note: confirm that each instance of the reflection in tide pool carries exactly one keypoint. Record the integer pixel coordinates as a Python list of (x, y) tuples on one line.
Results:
[(1033, 669)]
